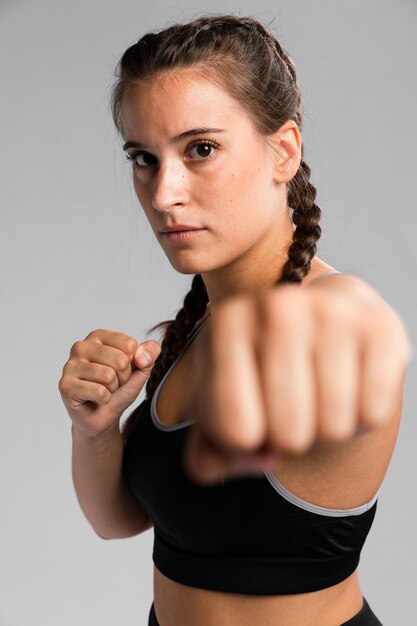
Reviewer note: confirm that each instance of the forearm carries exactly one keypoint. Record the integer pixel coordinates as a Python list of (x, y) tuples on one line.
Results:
[(101, 489)]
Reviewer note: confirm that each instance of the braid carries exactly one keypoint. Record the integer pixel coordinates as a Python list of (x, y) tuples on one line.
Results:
[(255, 69), (178, 330), (175, 337), (301, 196), (306, 217)]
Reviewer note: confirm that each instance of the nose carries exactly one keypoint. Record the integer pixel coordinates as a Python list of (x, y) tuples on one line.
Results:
[(169, 187)]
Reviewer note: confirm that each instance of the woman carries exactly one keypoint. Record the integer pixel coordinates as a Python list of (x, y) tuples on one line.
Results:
[(258, 455)]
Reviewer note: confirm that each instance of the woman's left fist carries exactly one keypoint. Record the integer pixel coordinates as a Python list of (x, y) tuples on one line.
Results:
[(290, 365)]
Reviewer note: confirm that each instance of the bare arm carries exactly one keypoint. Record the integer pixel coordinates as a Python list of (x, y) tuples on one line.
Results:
[(101, 488), (102, 377)]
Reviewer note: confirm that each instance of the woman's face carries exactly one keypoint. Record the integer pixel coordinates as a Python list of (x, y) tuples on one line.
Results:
[(221, 181)]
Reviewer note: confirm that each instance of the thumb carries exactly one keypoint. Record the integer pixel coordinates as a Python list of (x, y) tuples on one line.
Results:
[(146, 355)]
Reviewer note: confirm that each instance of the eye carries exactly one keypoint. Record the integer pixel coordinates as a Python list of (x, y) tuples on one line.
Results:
[(140, 159), (136, 156), (206, 145)]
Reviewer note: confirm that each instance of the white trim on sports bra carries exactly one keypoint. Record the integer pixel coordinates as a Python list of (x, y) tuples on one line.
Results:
[(154, 414), (315, 508)]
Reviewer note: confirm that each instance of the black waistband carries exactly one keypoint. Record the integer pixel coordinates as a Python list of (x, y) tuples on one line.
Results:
[(365, 617), (260, 576)]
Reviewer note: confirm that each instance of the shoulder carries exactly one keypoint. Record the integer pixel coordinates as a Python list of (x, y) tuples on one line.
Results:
[(347, 288), (336, 280), (332, 280)]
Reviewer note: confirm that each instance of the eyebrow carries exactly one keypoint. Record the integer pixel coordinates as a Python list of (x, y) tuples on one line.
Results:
[(177, 138)]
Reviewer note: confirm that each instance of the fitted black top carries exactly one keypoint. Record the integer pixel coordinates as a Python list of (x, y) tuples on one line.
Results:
[(245, 535)]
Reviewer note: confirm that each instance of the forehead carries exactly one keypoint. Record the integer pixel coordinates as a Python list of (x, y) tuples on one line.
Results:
[(178, 100)]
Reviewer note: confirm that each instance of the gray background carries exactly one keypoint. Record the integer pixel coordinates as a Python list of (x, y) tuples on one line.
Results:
[(77, 254)]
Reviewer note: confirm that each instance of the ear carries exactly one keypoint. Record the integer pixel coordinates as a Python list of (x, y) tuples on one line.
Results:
[(287, 144)]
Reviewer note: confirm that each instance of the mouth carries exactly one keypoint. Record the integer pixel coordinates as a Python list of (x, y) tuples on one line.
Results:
[(182, 236), (178, 227)]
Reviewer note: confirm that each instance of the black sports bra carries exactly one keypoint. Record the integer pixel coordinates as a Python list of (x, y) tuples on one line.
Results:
[(245, 535)]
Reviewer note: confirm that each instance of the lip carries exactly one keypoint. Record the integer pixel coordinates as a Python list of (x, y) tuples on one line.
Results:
[(182, 236), (179, 227)]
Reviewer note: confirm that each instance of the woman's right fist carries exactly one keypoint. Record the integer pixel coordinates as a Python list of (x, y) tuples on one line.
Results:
[(102, 377)]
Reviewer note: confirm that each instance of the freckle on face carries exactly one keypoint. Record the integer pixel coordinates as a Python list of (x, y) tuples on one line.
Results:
[(236, 178)]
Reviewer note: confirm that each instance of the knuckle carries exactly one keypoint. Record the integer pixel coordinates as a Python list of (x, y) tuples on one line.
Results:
[(123, 362), (131, 345), (102, 393), (94, 334), (109, 376), (67, 367), (77, 348), (63, 385)]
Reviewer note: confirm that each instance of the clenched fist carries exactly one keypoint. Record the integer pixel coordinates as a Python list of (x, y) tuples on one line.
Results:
[(102, 377), (290, 365)]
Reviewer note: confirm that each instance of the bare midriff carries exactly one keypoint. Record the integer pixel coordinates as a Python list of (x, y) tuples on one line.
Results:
[(180, 605)]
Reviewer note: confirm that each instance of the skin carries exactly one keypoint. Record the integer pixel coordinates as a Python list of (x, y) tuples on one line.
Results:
[(242, 248), (345, 350)]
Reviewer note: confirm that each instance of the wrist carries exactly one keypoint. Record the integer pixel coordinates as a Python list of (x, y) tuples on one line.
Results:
[(80, 434)]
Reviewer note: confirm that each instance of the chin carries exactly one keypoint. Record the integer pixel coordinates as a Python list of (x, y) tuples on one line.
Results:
[(187, 266)]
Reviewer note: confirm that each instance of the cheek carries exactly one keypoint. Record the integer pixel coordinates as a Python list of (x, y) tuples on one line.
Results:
[(235, 196), (223, 192), (242, 182)]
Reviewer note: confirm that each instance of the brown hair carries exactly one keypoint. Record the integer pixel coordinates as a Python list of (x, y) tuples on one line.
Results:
[(252, 66)]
